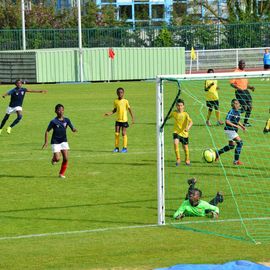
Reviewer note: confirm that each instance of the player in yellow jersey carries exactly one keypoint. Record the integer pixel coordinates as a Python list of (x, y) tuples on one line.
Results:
[(120, 107), (212, 99), (182, 125)]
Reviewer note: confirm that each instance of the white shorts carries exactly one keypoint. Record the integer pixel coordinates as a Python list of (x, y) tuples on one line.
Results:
[(11, 110), (231, 134), (56, 148)]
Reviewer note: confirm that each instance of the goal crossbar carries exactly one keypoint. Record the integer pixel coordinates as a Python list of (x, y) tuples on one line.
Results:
[(216, 76)]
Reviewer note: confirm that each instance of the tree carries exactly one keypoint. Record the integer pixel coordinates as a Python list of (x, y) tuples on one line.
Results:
[(90, 15), (237, 11), (9, 15)]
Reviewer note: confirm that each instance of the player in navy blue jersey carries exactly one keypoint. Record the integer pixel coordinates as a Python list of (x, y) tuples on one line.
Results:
[(59, 138), (232, 125), (15, 105)]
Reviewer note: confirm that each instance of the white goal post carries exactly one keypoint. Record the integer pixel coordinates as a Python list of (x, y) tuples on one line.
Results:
[(160, 121)]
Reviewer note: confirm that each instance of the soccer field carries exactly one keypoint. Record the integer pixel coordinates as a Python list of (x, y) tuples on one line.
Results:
[(104, 214)]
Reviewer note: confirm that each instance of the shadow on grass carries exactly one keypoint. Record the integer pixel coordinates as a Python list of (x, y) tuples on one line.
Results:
[(76, 206), (119, 222), (17, 176), (123, 164)]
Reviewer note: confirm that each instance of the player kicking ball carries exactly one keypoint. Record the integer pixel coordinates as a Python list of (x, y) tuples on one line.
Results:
[(59, 138), (231, 128)]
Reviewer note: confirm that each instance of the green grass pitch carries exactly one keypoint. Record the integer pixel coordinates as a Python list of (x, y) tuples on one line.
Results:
[(103, 215)]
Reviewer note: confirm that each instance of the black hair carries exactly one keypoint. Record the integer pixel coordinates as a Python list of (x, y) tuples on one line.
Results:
[(180, 101), (58, 106), (241, 61), (210, 70), (18, 80), (119, 89), (192, 191), (233, 100)]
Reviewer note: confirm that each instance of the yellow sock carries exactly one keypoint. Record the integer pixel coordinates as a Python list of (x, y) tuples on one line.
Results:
[(177, 152), (117, 137), (125, 141), (268, 124), (186, 153)]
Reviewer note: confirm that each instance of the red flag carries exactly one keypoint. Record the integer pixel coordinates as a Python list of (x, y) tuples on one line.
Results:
[(111, 53)]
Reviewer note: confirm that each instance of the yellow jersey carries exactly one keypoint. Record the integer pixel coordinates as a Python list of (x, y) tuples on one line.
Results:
[(121, 106), (181, 121), (211, 94)]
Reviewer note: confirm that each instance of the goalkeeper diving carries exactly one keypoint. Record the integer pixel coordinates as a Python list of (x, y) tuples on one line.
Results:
[(194, 206)]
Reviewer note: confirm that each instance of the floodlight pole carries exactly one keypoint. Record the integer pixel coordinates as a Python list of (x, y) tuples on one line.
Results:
[(23, 24), (80, 39)]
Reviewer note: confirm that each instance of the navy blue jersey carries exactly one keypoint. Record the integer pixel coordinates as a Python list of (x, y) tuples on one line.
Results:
[(234, 117), (59, 130), (16, 96)]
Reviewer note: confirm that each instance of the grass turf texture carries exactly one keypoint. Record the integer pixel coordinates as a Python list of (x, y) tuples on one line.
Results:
[(102, 189)]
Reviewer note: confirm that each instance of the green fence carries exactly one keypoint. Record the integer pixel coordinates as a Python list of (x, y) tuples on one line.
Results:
[(63, 65), (215, 36)]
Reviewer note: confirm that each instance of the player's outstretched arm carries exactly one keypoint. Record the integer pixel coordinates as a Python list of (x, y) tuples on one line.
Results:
[(241, 126), (132, 115), (110, 113), (37, 91), (45, 140), (4, 95)]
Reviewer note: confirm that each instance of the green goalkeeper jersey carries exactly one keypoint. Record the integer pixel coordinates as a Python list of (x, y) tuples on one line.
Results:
[(187, 209)]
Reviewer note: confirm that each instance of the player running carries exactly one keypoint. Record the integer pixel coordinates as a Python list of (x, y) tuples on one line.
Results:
[(17, 95), (59, 138)]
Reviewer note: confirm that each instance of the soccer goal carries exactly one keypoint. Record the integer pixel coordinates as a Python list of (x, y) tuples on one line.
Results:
[(245, 212)]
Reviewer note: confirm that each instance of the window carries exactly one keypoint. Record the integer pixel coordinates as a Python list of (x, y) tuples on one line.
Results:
[(125, 12), (142, 12), (157, 11), (179, 8)]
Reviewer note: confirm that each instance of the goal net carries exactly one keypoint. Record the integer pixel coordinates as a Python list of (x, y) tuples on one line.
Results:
[(245, 212)]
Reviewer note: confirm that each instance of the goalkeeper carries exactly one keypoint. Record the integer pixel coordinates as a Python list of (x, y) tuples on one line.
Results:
[(194, 206)]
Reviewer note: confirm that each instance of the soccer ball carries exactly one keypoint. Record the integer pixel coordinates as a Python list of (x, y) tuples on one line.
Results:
[(209, 155)]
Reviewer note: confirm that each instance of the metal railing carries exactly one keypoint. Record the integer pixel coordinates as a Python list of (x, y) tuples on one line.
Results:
[(224, 60), (214, 36)]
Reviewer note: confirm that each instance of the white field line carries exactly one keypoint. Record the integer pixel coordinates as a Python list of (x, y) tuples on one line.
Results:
[(124, 228)]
